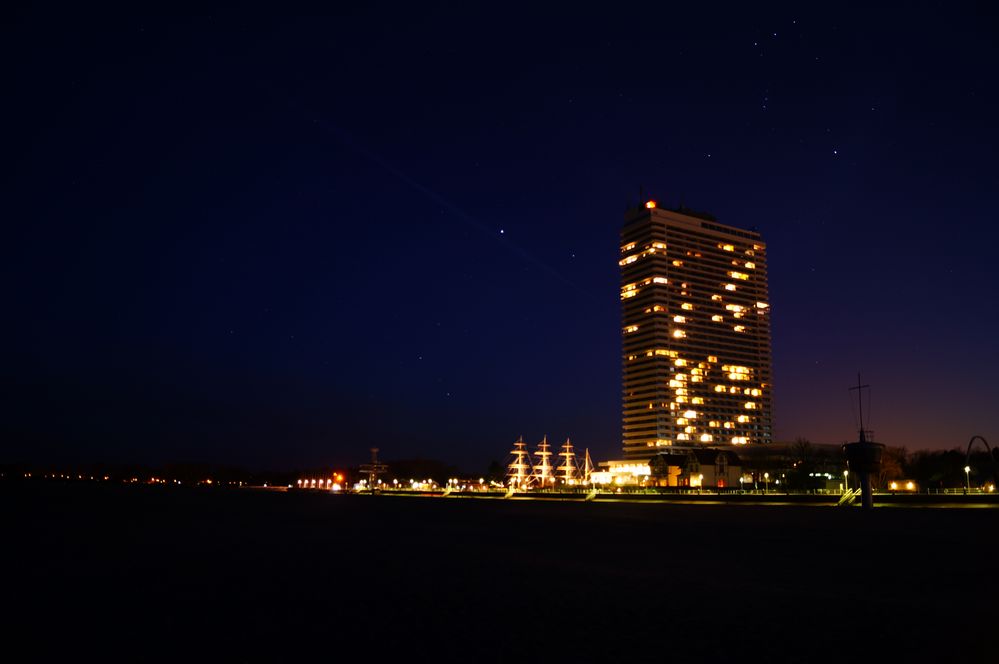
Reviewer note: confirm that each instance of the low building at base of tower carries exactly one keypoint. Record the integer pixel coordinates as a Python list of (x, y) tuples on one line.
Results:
[(681, 468)]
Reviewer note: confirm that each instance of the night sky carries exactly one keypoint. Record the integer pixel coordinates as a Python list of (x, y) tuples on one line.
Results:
[(275, 242)]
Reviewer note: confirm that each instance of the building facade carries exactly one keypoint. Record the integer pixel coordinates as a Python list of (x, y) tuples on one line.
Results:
[(696, 333)]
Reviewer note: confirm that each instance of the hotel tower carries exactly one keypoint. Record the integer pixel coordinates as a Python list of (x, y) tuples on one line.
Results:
[(696, 332)]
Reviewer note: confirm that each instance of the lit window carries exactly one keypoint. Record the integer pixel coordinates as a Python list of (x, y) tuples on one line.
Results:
[(716, 298), (755, 392), (706, 438), (681, 399), (739, 440), (726, 247), (739, 328), (757, 246), (660, 280), (716, 318), (712, 358), (650, 204), (742, 419), (675, 383), (718, 388), (658, 307), (625, 295), (687, 306), (659, 245), (750, 265), (679, 319), (630, 329), (627, 261), (728, 425), (730, 287), (739, 275), (750, 405), (734, 307), (682, 436), (697, 401), (681, 421), (713, 424), (628, 247), (736, 315), (762, 305), (680, 363), (679, 334), (677, 263), (688, 429), (690, 414)]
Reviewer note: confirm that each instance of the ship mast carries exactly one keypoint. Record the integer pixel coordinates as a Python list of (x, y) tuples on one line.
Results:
[(587, 467), (519, 470), (543, 466), (568, 470)]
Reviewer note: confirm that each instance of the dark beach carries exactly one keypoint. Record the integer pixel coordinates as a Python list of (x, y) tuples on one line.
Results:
[(137, 573)]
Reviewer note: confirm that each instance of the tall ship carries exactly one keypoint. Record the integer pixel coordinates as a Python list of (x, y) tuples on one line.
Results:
[(568, 469), (543, 475), (518, 471)]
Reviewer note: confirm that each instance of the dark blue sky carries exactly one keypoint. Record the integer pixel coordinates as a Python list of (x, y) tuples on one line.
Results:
[(277, 242)]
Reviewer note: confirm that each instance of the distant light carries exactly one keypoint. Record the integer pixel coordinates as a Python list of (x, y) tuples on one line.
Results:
[(650, 204)]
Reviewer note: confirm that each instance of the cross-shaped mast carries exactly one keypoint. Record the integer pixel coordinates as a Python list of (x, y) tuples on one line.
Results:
[(860, 403)]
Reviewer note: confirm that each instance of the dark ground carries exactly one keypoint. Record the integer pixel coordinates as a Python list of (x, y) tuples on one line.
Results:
[(132, 573)]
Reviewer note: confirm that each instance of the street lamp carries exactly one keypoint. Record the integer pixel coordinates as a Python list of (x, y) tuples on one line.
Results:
[(766, 482), (741, 480), (846, 480), (967, 479)]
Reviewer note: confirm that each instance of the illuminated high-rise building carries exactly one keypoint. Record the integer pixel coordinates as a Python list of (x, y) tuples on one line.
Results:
[(696, 332)]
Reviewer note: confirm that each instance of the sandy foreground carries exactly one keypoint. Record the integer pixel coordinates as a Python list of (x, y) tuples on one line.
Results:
[(142, 573)]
